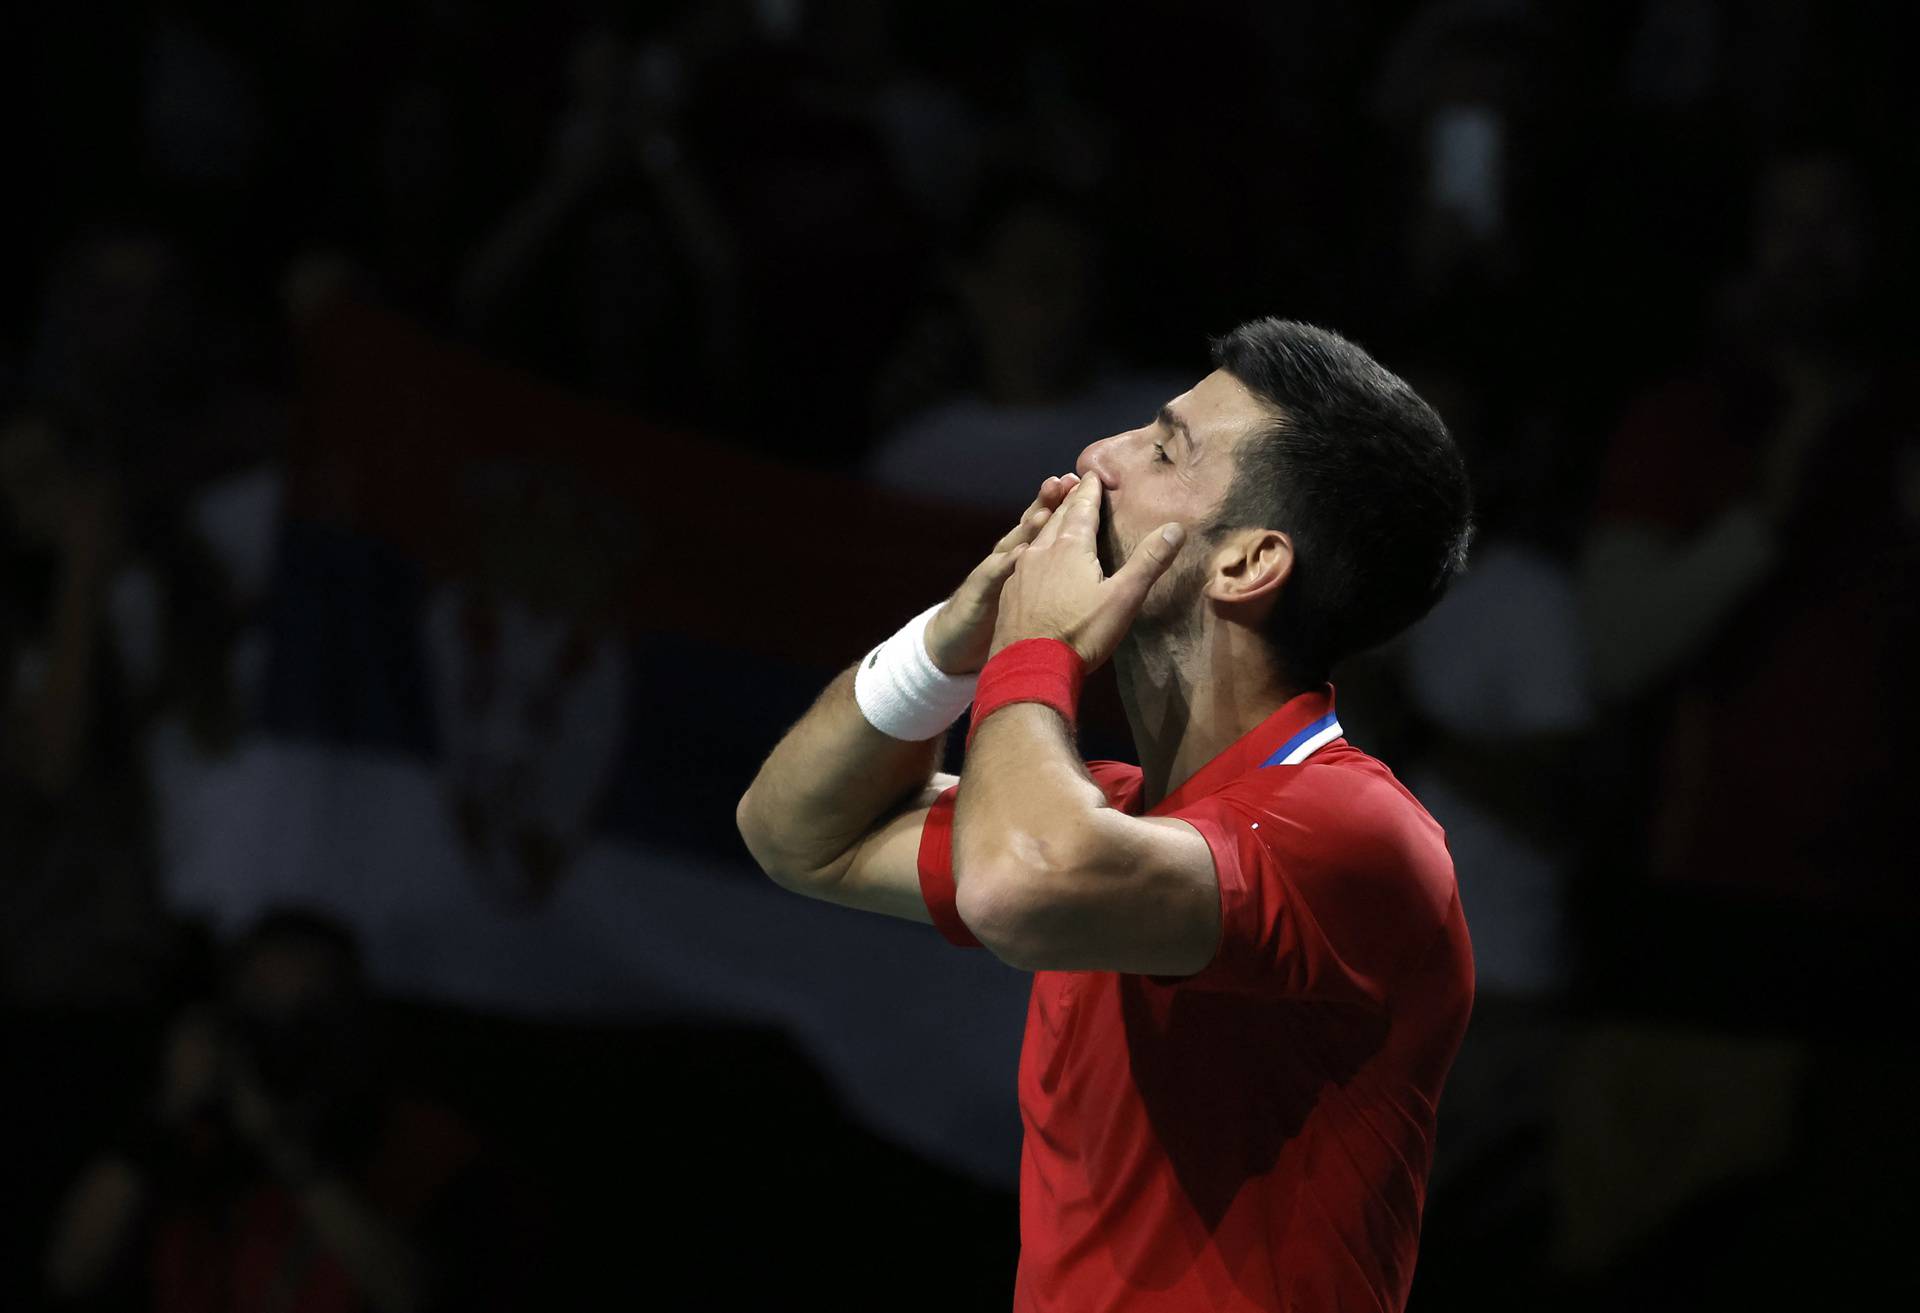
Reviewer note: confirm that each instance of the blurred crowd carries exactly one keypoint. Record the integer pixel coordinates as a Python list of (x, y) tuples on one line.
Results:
[(1644, 258)]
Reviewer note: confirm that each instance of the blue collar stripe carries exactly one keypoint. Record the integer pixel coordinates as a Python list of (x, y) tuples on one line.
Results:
[(1304, 744)]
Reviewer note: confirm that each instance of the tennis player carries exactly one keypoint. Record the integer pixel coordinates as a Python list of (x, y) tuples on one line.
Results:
[(1250, 967)]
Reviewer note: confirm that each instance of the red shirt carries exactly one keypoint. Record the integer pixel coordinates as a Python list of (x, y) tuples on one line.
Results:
[(1257, 1135)]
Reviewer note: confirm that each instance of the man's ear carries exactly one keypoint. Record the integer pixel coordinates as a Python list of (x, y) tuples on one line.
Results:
[(1250, 566)]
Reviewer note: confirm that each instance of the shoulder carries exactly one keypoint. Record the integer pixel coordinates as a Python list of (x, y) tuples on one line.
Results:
[(1334, 881), (1344, 818)]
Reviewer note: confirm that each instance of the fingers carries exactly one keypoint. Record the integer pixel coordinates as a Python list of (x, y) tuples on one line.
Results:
[(958, 634), (1078, 516), (1023, 532), (1149, 561), (998, 568), (1052, 493)]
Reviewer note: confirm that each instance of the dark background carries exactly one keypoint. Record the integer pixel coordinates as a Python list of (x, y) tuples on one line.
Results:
[(723, 261)]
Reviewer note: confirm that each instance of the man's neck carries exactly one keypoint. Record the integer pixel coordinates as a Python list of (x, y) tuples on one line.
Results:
[(1187, 701)]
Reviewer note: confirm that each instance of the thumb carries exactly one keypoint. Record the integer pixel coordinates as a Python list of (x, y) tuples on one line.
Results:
[(1149, 561)]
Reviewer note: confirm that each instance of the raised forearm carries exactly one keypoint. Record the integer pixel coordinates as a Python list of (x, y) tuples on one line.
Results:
[(835, 777), (1028, 807), (825, 785), (1030, 821)]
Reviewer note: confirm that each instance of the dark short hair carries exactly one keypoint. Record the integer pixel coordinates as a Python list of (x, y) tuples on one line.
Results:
[(1361, 474)]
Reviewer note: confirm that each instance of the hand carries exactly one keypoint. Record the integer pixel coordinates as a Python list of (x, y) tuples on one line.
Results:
[(1059, 591), (960, 633)]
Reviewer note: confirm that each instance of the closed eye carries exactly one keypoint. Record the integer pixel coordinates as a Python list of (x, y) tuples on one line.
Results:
[(1172, 423)]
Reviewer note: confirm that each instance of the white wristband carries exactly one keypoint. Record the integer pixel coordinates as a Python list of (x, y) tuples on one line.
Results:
[(902, 693)]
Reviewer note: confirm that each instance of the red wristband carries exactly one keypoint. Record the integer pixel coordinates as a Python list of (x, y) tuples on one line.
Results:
[(1032, 670)]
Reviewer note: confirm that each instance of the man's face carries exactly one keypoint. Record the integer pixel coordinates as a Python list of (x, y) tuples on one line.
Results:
[(1175, 468)]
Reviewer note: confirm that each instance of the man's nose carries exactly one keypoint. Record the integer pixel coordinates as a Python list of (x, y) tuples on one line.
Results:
[(1099, 460)]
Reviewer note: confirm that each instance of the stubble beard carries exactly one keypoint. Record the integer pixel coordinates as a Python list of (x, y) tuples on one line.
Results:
[(1107, 543), (1171, 618)]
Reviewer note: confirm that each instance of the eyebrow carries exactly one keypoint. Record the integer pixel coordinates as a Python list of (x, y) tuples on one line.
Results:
[(1174, 422)]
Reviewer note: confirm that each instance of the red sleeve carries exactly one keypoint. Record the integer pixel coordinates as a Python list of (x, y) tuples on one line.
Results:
[(1325, 892), (1119, 782), (936, 871)]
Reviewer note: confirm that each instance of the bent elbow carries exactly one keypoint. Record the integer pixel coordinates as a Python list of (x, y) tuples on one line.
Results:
[(1009, 901), (760, 843), (1004, 920), (780, 864), (747, 823), (988, 905)]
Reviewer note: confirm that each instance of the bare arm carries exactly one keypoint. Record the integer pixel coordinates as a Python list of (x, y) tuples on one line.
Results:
[(1052, 878), (1048, 875), (831, 784), (836, 810)]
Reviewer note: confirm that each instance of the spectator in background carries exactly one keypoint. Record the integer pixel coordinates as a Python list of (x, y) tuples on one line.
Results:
[(831, 250), (275, 1167), (79, 920), (141, 496), (1461, 90), (170, 383), (1015, 382), (1749, 573), (935, 141), (618, 248), (121, 345)]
